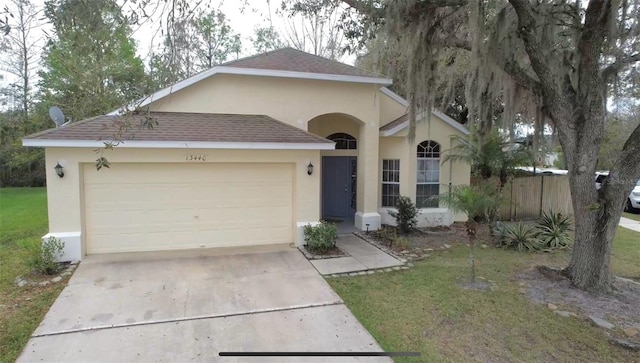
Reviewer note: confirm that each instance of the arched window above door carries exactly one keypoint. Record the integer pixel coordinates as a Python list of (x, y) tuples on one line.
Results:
[(343, 141)]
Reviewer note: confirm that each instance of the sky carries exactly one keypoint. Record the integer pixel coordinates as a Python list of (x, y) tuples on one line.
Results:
[(243, 15)]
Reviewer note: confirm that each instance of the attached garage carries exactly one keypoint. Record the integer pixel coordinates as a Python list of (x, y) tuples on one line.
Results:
[(150, 207)]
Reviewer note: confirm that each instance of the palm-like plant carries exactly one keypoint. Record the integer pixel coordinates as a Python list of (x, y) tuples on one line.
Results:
[(489, 156), (477, 203)]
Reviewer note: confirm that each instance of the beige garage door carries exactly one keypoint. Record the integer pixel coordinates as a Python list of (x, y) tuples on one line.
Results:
[(149, 207)]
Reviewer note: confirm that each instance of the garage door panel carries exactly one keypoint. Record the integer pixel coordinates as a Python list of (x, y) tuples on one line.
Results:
[(145, 207)]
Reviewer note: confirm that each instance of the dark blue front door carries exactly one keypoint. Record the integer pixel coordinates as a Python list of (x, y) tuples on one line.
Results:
[(338, 187)]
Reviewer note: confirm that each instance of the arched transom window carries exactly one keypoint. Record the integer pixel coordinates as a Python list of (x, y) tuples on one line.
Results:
[(428, 181), (343, 141)]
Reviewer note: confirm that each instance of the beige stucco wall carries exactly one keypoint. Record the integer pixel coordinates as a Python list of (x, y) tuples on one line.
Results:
[(64, 195), (294, 101), (399, 147), (390, 109)]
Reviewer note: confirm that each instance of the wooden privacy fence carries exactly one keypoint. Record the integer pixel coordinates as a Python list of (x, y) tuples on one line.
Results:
[(527, 197)]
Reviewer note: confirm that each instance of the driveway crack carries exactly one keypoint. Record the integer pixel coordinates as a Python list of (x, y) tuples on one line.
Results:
[(202, 317)]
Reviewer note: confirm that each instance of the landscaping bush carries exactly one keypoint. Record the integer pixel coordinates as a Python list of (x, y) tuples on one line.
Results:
[(43, 257), (522, 237), (554, 230), (405, 215), (322, 237)]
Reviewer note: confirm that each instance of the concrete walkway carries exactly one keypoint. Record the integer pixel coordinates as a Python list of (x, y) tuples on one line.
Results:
[(630, 224), (362, 256)]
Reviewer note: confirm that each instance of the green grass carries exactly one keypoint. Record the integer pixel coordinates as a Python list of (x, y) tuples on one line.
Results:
[(635, 216), (23, 220), (424, 309), (625, 254)]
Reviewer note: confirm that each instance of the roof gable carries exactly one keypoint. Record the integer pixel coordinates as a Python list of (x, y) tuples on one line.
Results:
[(293, 60), (402, 122), (284, 63)]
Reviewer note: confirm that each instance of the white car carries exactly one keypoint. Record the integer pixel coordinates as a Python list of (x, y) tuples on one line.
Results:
[(633, 202)]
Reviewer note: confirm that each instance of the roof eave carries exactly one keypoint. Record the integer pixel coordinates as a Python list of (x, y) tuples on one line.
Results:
[(252, 72), (394, 130), (147, 144)]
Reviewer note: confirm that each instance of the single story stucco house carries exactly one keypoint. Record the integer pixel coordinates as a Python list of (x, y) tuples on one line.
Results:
[(246, 153)]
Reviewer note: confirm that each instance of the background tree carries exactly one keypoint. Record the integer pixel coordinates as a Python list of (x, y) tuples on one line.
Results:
[(90, 65), (266, 39), (317, 31), (194, 43), (617, 128), (20, 51), (489, 157), (215, 41)]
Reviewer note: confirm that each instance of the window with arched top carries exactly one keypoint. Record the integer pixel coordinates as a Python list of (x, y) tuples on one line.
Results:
[(343, 141), (428, 179)]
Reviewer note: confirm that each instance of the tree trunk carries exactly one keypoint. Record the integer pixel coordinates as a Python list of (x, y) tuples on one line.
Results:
[(596, 212), (471, 233)]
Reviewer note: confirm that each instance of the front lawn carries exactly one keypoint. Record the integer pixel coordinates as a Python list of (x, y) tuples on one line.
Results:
[(23, 220), (425, 310)]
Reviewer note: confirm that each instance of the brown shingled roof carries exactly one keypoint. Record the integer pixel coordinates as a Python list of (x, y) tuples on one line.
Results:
[(293, 60), (183, 126), (399, 121)]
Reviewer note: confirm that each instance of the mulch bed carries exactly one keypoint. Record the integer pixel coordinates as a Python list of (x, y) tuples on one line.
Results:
[(426, 240), (334, 252)]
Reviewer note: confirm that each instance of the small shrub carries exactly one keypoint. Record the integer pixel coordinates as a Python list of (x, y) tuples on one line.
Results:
[(554, 230), (405, 215), (43, 258), (322, 237), (522, 237)]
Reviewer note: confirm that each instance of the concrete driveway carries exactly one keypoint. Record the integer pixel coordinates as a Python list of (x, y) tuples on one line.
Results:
[(191, 305)]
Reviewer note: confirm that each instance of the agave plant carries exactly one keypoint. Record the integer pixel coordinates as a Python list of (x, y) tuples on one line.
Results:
[(522, 237), (554, 230)]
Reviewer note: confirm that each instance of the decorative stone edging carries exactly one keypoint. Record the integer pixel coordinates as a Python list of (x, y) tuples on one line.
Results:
[(371, 272), (630, 331), (22, 282)]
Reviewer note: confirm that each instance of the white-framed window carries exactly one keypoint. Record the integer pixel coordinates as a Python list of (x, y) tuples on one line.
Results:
[(390, 182), (428, 180), (343, 141)]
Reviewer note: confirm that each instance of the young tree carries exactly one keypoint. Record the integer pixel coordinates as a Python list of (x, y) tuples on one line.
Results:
[(477, 203), (90, 65), (554, 61)]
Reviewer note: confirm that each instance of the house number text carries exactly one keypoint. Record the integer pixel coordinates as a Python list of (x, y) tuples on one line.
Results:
[(194, 157)]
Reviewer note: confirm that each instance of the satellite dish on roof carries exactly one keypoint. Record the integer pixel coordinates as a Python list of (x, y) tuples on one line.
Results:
[(57, 116)]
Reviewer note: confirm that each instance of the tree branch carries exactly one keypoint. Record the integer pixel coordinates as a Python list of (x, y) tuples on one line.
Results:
[(453, 42), (526, 31), (618, 65), (522, 78)]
